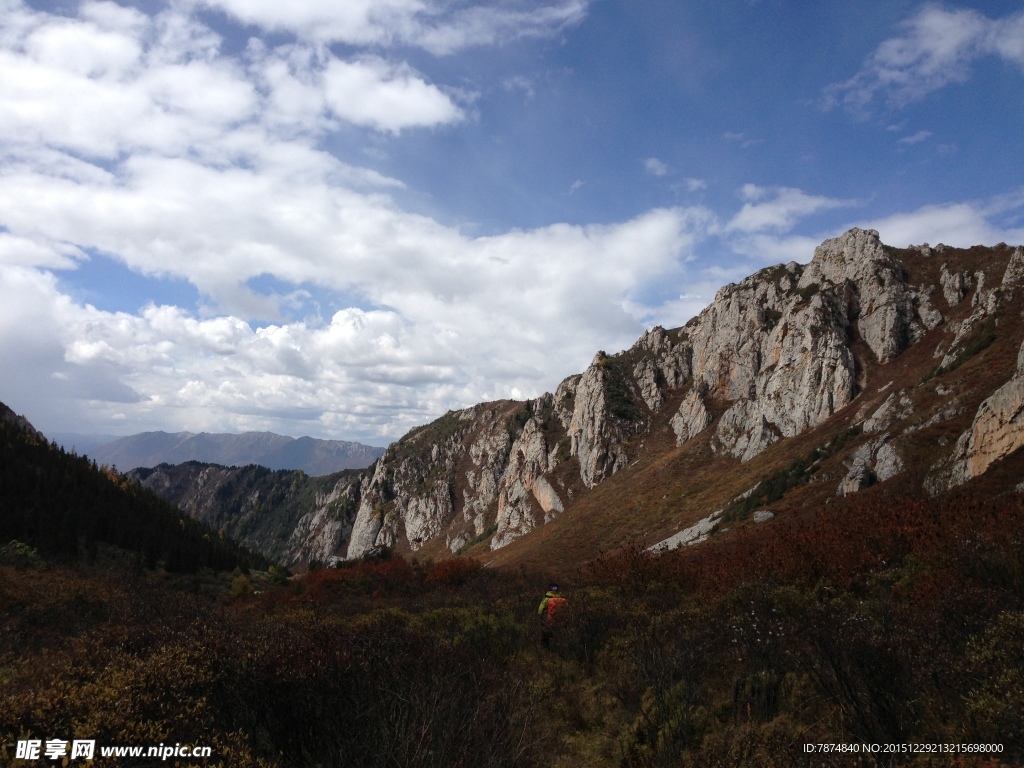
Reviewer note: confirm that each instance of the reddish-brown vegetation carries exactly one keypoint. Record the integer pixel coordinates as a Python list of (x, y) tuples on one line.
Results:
[(892, 620)]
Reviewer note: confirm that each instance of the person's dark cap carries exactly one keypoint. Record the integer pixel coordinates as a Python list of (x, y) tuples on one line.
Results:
[(552, 588)]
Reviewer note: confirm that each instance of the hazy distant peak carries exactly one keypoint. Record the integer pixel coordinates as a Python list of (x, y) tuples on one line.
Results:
[(313, 456)]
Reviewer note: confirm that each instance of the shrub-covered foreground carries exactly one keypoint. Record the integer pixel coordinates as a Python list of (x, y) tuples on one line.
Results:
[(902, 624)]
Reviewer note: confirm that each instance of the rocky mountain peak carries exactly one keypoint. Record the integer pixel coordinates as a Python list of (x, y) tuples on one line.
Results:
[(856, 255), (774, 357)]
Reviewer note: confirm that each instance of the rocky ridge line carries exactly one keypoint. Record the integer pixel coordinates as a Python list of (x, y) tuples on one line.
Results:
[(775, 351)]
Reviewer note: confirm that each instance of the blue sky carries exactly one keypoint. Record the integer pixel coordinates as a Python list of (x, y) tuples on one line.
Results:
[(343, 219)]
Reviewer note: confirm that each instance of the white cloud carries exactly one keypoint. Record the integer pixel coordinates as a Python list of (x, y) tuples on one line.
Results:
[(957, 224), (470, 321), (385, 96), (427, 24), (141, 138), (937, 48), (162, 85), (916, 138), (765, 249), (779, 213), (38, 252), (138, 137), (655, 167)]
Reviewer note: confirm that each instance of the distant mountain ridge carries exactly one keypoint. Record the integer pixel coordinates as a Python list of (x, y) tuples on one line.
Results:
[(311, 455)]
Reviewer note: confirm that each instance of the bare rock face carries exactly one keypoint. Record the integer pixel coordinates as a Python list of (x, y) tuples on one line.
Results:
[(954, 285), (1014, 275), (744, 432), (896, 407), (997, 431), (691, 419), (597, 434), (526, 498), (779, 352), (773, 354), (875, 461), (321, 532), (411, 491), (488, 455), (891, 315), (695, 534), (774, 351), (670, 359), (369, 517)]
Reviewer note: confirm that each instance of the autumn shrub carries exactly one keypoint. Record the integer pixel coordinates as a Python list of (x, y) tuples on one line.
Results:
[(240, 586), (995, 697), (453, 572), (373, 578), (491, 635), (18, 554)]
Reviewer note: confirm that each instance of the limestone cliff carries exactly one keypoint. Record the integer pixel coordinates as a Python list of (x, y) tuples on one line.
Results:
[(779, 344), (996, 432), (775, 353)]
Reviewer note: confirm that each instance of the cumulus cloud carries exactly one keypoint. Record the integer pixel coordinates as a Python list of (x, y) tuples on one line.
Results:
[(475, 324), (936, 47), (777, 208), (139, 138), (385, 96)]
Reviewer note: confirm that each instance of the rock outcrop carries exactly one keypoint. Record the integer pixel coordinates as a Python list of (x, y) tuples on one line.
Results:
[(954, 285), (779, 344), (997, 431), (874, 461), (526, 498), (598, 428), (691, 419), (695, 534)]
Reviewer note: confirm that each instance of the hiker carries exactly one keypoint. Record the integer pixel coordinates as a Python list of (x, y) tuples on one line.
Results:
[(548, 612)]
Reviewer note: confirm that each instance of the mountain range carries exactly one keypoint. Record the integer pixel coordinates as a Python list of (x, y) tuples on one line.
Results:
[(800, 387), (312, 456)]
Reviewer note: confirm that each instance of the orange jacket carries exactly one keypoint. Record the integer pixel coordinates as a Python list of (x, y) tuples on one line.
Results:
[(550, 605)]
